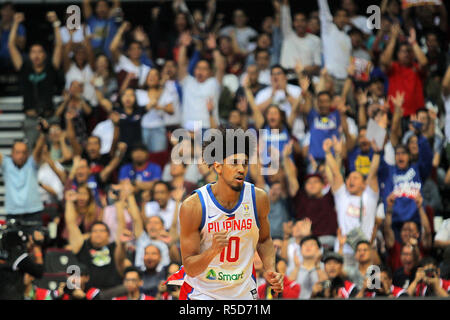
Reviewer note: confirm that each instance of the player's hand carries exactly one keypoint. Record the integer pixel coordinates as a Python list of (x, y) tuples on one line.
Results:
[(276, 281), (220, 241)]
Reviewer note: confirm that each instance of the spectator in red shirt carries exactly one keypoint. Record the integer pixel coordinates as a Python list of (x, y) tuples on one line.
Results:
[(386, 289), (427, 282), (133, 282), (409, 233), (405, 74), (291, 289), (316, 205)]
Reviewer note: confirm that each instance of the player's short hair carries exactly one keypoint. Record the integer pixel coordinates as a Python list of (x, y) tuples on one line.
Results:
[(224, 142)]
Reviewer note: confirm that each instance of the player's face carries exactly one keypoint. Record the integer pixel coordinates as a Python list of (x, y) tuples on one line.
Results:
[(234, 170)]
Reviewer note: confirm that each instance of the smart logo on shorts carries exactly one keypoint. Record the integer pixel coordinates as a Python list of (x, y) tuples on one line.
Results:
[(211, 275)]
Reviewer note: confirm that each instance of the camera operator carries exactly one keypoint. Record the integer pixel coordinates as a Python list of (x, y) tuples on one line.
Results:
[(427, 282), (22, 202), (17, 259)]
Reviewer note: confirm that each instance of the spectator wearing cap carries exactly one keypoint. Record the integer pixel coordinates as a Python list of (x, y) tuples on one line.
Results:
[(306, 272), (133, 283), (336, 284), (140, 172), (311, 202), (298, 45)]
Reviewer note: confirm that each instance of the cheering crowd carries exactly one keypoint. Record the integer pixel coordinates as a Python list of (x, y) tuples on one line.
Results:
[(357, 116)]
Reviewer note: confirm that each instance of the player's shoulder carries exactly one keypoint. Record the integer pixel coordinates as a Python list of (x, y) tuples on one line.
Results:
[(192, 203), (260, 194)]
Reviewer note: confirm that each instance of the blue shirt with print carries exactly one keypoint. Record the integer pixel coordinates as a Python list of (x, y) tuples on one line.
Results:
[(321, 128)]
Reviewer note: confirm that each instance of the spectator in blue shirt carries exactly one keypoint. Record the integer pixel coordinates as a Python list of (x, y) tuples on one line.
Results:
[(102, 24), (7, 18), (360, 157), (20, 176), (323, 124), (405, 179), (141, 172)]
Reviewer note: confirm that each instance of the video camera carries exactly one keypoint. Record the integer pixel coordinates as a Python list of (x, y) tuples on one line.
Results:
[(14, 236)]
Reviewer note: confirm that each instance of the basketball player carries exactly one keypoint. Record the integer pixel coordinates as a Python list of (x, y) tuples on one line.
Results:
[(222, 224)]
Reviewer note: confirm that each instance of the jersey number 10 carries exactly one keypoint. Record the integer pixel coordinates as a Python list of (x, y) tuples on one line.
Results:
[(232, 242)]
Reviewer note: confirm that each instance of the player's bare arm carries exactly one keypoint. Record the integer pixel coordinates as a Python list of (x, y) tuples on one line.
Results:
[(195, 262), (265, 246)]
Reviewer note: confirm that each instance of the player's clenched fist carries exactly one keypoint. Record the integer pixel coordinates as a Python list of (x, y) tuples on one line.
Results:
[(220, 241)]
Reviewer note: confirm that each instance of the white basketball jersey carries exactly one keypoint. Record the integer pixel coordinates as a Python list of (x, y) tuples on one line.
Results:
[(230, 275)]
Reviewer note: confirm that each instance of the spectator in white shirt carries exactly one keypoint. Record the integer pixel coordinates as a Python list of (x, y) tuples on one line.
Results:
[(280, 92), (298, 45), (162, 205), (355, 19), (201, 90), (245, 35), (355, 198), (336, 44), (442, 237), (159, 102), (262, 61), (131, 72)]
